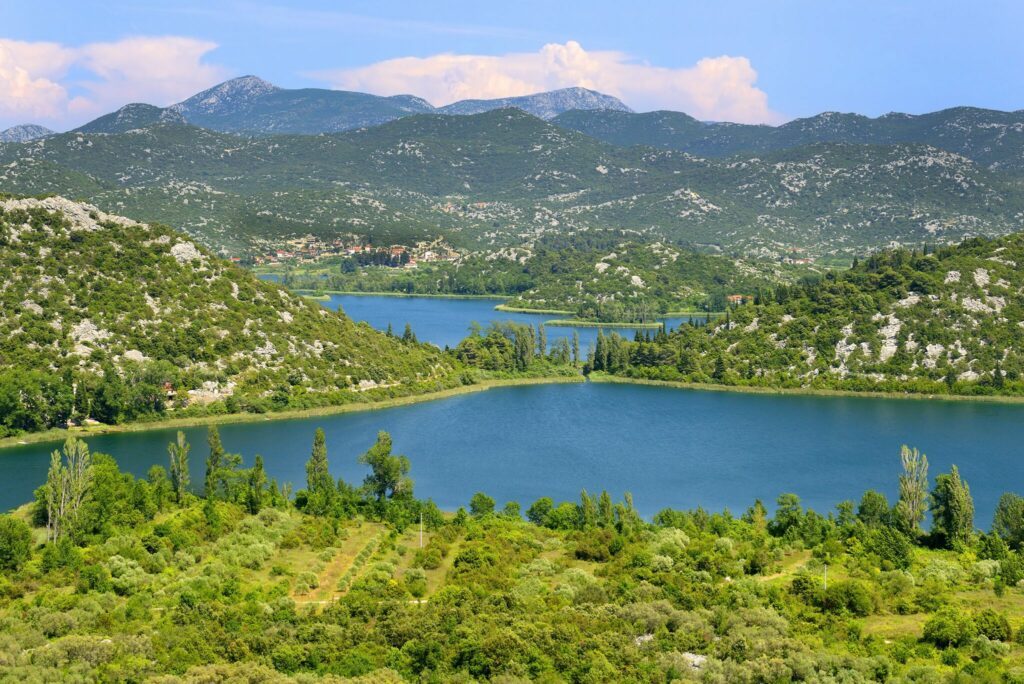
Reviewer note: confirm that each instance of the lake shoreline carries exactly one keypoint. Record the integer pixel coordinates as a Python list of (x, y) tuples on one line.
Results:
[(401, 295), (59, 435), (802, 391)]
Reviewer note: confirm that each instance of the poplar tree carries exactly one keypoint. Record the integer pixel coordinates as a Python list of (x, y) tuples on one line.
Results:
[(575, 347), (178, 452), (254, 495), (68, 485), (542, 341), (913, 501), (214, 463), (952, 510)]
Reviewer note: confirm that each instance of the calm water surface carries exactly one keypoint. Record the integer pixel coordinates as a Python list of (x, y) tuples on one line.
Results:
[(443, 321), (669, 447)]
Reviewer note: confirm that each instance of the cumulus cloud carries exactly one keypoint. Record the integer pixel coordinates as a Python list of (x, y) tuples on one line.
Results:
[(715, 88), (36, 82)]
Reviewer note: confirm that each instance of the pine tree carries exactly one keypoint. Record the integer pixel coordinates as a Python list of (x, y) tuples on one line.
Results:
[(178, 452)]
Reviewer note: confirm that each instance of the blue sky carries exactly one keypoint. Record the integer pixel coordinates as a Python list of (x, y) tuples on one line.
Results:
[(62, 63)]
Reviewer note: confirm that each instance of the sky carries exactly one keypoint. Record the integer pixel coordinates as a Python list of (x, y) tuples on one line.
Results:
[(64, 62)]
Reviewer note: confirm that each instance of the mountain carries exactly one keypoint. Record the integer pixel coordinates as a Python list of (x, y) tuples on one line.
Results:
[(24, 133), (505, 178), (991, 138), (946, 322), (543, 105), (131, 117), (252, 105), (100, 317)]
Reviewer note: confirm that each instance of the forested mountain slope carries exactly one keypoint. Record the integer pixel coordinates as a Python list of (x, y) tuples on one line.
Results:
[(506, 178), (108, 319), (948, 322)]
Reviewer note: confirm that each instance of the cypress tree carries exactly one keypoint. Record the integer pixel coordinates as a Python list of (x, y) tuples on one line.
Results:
[(319, 484)]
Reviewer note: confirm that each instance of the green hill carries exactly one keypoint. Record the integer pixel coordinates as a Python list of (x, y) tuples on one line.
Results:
[(947, 322), (102, 318)]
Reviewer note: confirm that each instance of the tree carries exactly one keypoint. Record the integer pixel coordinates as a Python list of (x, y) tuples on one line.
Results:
[(873, 509), (575, 347), (178, 452), (542, 341), (156, 476), (67, 485), (388, 473), (952, 510), (254, 494), (15, 542), (539, 512), (913, 501), (409, 337), (214, 464), (320, 490), (481, 505), (1008, 521), (789, 515)]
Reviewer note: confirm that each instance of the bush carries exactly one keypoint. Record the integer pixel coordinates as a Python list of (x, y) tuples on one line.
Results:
[(949, 627), (852, 596), (891, 546), (15, 542), (993, 625)]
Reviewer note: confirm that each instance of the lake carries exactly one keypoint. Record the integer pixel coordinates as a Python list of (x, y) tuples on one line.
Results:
[(669, 447), (445, 322)]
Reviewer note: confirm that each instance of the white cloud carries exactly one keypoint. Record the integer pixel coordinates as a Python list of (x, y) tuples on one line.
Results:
[(715, 88), (36, 83)]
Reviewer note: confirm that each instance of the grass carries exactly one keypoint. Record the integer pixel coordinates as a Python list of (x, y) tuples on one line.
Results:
[(59, 435), (802, 391)]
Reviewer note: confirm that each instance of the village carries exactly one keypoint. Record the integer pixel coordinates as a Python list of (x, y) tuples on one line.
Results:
[(311, 249)]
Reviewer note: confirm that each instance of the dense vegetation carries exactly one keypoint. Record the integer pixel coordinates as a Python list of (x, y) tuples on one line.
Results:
[(105, 319), (237, 579), (505, 178), (594, 277), (947, 322)]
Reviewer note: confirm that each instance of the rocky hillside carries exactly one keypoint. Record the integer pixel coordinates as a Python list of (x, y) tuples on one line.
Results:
[(993, 139), (944, 322), (105, 318), (505, 178), (24, 133), (544, 105)]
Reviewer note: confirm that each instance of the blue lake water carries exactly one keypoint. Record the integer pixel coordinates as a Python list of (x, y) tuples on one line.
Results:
[(445, 322), (668, 447)]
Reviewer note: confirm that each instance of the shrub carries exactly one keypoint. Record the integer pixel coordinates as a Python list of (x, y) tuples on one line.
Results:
[(993, 625), (891, 546), (949, 627), (15, 542)]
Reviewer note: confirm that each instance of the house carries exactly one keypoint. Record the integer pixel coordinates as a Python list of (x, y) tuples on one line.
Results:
[(738, 299)]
